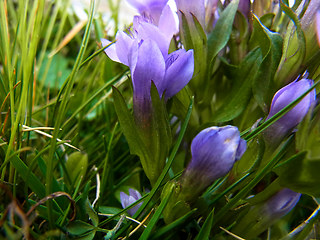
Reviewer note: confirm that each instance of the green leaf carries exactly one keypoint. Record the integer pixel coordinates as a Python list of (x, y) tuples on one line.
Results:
[(174, 225), (185, 33), (160, 136), (76, 165), (128, 126), (92, 213), (240, 94), (156, 216), (206, 228), (33, 182), (267, 20), (109, 210), (79, 227), (220, 35), (270, 44), (300, 174), (294, 47)]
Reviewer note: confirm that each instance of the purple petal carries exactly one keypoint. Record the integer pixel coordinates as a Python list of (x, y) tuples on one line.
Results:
[(127, 200), (244, 7), (124, 199), (149, 31), (149, 67), (180, 67), (241, 149), (214, 151), (281, 203), (167, 23), (288, 94), (111, 50), (123, 45), (149, 8), (134, 193)]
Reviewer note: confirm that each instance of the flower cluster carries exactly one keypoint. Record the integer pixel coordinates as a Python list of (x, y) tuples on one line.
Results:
[(145, 49)]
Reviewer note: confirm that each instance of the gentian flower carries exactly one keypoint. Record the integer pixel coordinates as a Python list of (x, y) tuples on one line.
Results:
[(150, 9), (214, 151), (280, 204), (261, 216), (291, 119), (127, 200), (149, 61)]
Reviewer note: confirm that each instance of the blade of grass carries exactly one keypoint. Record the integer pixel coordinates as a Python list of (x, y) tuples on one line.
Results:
[(63, 106)]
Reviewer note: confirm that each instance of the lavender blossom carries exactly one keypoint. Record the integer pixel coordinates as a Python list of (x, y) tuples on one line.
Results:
[(214, 151), (146, 53), (150, 9), (291, 119), (127, 200), (280, 204), (261, 216)]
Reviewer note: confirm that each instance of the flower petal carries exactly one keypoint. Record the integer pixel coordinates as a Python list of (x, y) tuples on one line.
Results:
[(149, 67), (149, 31), (111, 50), (123, 45), (180, 67), (167, 22)]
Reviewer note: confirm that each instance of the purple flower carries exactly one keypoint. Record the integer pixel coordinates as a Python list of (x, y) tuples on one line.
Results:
[(280, 204), (318, 26), (292, 118), (150, 9), (262, 215), (127, 200), (214, 151), (170, 74), (146, 53)]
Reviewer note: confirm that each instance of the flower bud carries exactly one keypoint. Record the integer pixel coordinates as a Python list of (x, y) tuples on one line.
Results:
[(291, 119), (127, 200), (280, 204), (261, 216), (214, 151)]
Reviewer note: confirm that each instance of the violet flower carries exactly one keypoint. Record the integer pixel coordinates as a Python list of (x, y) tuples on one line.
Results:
[(280, 204), (127, 200), (150, 9), (291, 119), (146, 53), (214, 151), (261, 216)]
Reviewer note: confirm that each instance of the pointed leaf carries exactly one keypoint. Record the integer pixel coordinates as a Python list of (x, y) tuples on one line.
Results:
[(128, 126), (220, 35)]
